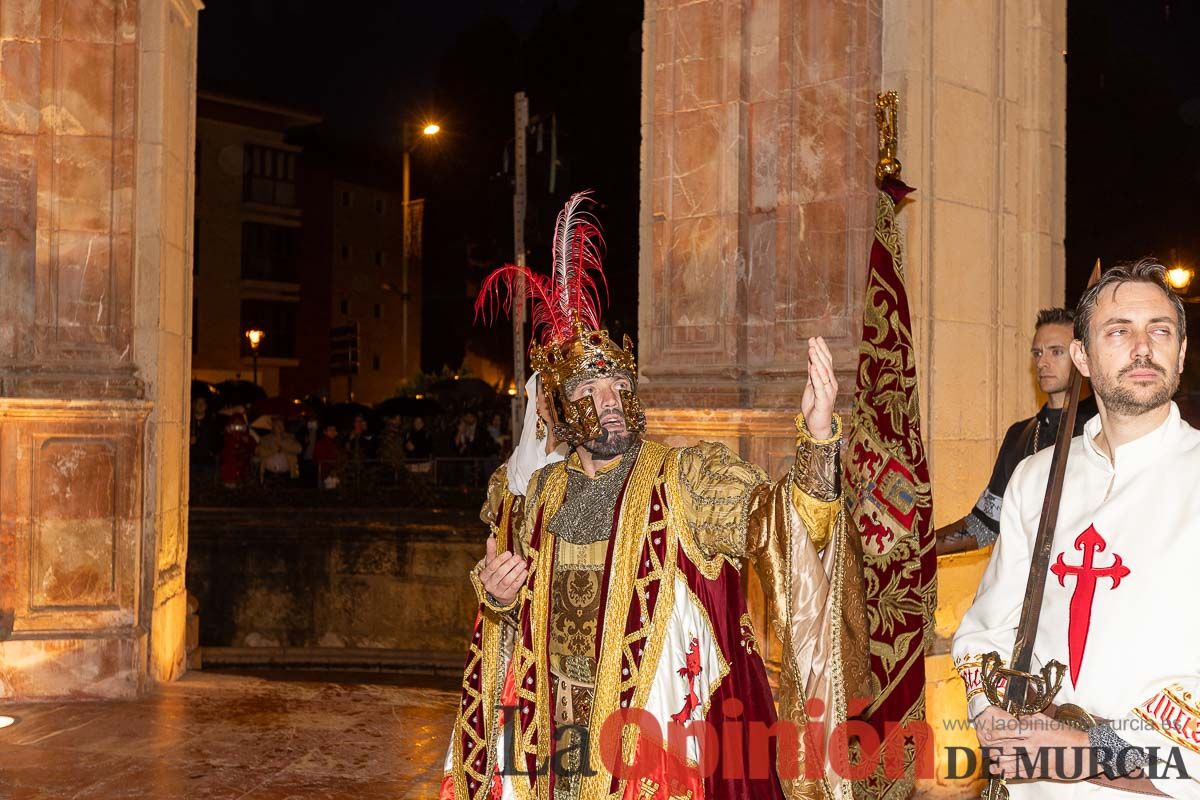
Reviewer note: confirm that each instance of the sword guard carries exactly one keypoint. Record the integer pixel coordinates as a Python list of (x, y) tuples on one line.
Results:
[(1041, 687)]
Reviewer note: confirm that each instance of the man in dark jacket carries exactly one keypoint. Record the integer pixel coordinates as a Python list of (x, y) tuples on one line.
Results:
[(1052, 360)]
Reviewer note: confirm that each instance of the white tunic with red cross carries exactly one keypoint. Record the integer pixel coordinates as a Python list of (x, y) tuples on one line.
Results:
[(1120, 609)]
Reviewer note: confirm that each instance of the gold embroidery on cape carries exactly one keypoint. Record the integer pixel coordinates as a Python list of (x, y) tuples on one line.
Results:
[(494, 640), (549, 486), (747, 635), (654, 634), (631, 534)]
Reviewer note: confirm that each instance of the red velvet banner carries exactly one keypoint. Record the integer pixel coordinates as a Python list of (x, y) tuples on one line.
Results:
[(888, 496)]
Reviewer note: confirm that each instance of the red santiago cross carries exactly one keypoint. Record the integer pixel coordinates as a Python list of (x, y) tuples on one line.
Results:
[(1086, 575)]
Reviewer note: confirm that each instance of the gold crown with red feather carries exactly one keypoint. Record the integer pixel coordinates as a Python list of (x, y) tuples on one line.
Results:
[(569, 346)]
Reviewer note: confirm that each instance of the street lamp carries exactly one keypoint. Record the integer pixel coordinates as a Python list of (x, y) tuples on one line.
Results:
[(429, 130), (255, 337), (1180, 278)]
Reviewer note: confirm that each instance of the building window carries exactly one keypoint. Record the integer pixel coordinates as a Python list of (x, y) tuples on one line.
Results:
[(345, 307), (375, 362), (379, 206), (269, 252), (379, 258), (269, 176), (345, 252), (378, 311), (277, 321), (347, 198)]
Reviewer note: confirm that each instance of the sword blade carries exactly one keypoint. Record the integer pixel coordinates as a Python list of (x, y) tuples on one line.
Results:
[(1039, 565)]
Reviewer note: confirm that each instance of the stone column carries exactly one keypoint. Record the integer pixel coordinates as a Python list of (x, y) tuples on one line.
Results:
[(91, 381), (757, 163), (162, 342), (758, 147), (982, 136)]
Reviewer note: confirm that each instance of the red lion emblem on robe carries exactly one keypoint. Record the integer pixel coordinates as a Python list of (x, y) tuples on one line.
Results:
[(689, 672)]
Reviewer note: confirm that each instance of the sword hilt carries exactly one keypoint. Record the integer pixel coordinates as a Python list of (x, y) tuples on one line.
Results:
[(1040, 690), (1041, 687)]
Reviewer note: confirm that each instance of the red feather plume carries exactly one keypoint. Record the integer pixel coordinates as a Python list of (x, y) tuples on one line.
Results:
[(574, 289)]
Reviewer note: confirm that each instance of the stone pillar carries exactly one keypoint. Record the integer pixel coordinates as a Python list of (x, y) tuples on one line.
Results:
[(162, 342), (982, 136), (757, 197), (91, 381), (758, 147)]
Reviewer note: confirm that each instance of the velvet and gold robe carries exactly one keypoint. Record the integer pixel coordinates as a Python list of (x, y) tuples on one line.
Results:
[(673, 637)]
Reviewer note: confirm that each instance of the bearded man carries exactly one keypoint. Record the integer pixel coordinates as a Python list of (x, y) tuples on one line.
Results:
[(1118, 611), (614, 589)]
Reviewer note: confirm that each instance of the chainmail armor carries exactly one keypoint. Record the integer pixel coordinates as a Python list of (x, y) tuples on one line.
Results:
[(1123, 758), (586, 513)]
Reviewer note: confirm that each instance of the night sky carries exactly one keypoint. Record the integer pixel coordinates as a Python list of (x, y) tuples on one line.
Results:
[(368, 66), (1133, 127), (1133, 134)]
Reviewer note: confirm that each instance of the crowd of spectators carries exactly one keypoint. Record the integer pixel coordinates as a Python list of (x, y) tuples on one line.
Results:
[(320, 452)]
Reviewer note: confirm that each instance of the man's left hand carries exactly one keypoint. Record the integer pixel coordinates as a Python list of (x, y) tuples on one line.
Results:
[(820, 391)]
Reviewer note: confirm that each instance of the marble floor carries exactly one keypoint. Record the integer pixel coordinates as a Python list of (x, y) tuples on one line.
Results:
[(252, 735)]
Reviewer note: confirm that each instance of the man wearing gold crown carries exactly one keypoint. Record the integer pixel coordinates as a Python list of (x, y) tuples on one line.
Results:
[(612, 592)]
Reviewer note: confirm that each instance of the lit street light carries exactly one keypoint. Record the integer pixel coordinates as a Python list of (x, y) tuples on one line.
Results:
[(255, 337), (1180, 278)]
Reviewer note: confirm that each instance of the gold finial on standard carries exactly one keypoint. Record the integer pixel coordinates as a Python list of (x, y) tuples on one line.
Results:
[(886, 105)]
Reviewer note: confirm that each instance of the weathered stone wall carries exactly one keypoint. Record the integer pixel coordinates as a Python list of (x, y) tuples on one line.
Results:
[(982, 137), (95, 210), (334, 587)]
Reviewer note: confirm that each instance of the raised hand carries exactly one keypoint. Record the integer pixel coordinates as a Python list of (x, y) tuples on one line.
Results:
[(820, 390), (502, 575)]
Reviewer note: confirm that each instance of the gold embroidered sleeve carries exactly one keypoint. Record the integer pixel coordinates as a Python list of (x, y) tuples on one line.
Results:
[(815, 480), (490, 603), (497, 490), (503, 513), (815, 471)]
